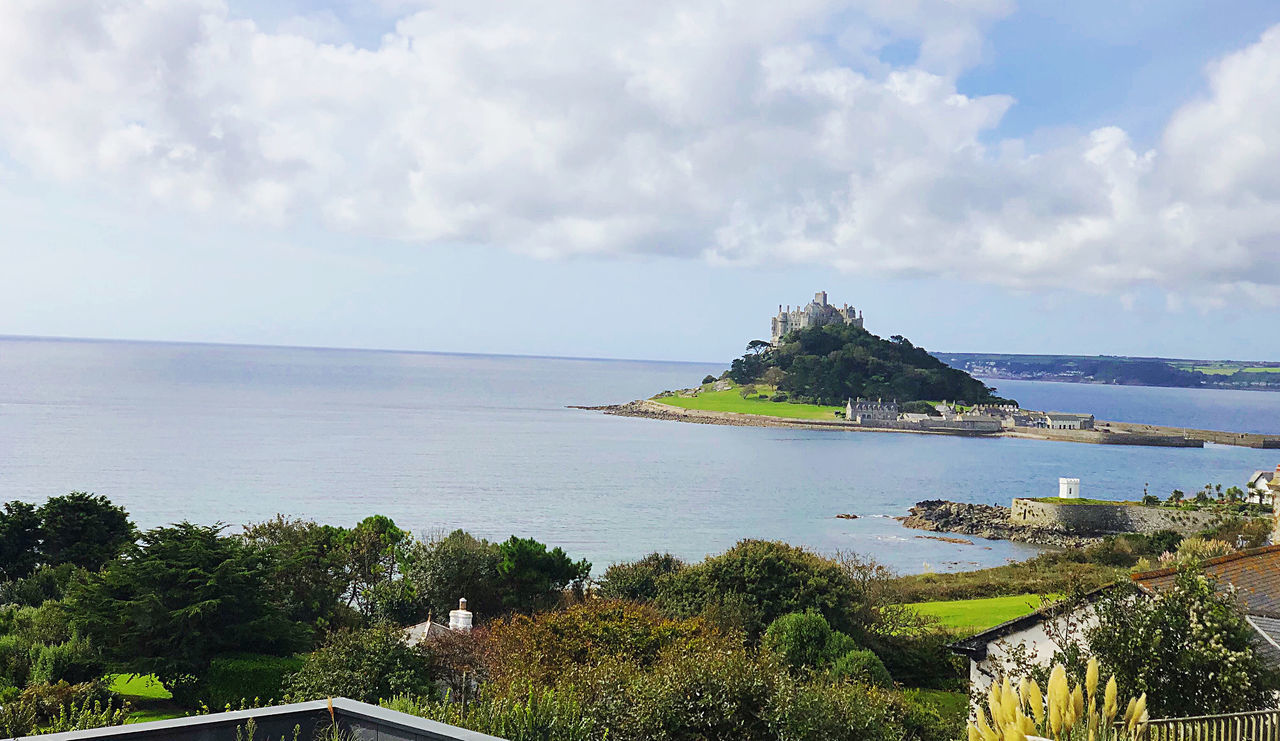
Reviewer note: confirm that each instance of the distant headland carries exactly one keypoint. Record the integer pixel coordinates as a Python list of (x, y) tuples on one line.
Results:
[(822, 369)]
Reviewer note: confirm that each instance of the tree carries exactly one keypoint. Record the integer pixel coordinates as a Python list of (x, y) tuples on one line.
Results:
[(19, 540), (758, 347), (638, 581), (84, 530), (307, 568), (457, 565), (366, 665), (758, 581), (1189, 649), (1176, 496), (533, 577), (374, 552), (708, 379), (181, 596)]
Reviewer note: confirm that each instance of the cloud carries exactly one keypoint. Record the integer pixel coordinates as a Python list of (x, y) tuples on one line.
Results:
[(756, 132)]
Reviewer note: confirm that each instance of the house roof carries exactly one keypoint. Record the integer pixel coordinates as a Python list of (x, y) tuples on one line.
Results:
[(1261, 477), (1268, 643), (975, 646), (1254, 573)]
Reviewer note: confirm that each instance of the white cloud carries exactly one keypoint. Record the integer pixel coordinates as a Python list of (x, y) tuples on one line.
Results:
[(748, 132)]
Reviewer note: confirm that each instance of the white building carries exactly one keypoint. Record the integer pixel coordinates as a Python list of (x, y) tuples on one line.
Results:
[(1068, 488), (1262, 486), (1060, 421), (863, 411)]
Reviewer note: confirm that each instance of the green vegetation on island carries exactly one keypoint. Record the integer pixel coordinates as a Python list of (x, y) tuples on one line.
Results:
[(828, 364), (1121, 370)]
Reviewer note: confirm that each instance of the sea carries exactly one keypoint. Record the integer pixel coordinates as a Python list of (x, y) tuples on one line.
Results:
[(486, 443)]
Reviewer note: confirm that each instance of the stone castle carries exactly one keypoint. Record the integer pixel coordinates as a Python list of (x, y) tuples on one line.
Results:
[(817, 313)]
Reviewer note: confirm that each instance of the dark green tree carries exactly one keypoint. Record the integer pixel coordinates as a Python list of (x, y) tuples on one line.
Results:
[(638, 581), (457, 565), (375, 549), (307, 567), (181, 596), (83, 529), (19, 540), (534, 577)]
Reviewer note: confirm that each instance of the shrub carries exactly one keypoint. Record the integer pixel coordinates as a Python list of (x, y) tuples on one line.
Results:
[(15, 660), (708, 379), (759, 581), (548, 646), (366, 665), (638, 580), (256, 677), (863, 666), (800, 639), (780, 396), (73, 661), (542, 715)]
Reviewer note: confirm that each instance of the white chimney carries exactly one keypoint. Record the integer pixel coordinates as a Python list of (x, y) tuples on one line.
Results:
[(460, 619), (1069, 488)]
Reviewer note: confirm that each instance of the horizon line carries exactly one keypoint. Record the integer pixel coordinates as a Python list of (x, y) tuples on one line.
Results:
[(269, 346)]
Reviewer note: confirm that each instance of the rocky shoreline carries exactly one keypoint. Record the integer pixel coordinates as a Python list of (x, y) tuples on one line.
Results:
[(985, 521)]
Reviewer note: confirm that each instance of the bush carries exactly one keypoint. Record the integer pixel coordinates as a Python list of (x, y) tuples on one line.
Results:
[(708, 379), (780, 396), (74, 661), (15, 660), (759, 581), (863, 666), (801, 639), (544, 715), (638, 581), (366, 665), (248, 677)]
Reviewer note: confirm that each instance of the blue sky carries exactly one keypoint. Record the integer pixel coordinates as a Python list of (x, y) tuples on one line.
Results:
[(978, 176)]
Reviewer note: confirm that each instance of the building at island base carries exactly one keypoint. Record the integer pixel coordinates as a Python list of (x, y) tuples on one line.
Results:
[(815, 314)]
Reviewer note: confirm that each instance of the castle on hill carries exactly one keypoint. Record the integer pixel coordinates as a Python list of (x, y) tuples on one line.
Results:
[(817, 313)]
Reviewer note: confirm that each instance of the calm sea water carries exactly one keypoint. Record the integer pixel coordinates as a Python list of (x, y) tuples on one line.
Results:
[(237, 434)]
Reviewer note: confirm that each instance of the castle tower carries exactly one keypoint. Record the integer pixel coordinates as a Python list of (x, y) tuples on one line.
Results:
[(1068, 488)]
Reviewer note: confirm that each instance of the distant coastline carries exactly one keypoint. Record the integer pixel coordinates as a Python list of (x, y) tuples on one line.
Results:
[(1112, 370)]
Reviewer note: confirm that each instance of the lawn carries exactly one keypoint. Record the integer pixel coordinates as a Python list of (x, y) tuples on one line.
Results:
[(974, 615), (732, 401), (148, 698), (1060, 500), (952, 706)]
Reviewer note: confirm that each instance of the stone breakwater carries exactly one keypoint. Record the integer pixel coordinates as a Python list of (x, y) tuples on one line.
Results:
[(655, 410), (986, 521)]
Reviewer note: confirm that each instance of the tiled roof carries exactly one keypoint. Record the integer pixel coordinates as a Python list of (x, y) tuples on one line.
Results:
[(1268, 643), (1254, 573)]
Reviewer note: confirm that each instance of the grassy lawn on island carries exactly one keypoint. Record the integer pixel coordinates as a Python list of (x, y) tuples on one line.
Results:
[(732, 401), (148, 698), (975, 615)]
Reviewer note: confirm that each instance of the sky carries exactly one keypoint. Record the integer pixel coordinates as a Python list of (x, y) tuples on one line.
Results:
[(645, 180)]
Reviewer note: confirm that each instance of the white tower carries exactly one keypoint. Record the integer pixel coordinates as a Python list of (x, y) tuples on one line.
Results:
[(1069, 488)]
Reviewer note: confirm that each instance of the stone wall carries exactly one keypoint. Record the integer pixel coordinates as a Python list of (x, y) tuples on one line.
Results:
[(1106, 519)]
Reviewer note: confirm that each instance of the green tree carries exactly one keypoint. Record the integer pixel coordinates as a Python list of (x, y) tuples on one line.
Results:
[(638, 581), (375, 549), (758, 581), (367, 665), (457, 565), (84, 530), (534, 577), (181, 596), (758, 347), (19, 540), (1189, 648), (307, 568)]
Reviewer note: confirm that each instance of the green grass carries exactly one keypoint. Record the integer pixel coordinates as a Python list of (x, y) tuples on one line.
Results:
[(974, 615), (732, 401), (148, 698), (952, 706), (1060, 500)]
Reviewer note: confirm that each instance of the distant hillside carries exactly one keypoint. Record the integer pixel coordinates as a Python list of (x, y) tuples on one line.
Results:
[(1121, 370), (829, 364)]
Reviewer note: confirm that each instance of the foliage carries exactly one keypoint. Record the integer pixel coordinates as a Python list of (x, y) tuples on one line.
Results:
[(19, 540), (61, 707), (919, 407), (756, 582), (306, 566), (365, 665), (539, 715), (44, 584), (457, 565), (73, 660), (534, 577), (549, 645), (708, 379), (83, 529), (1048, 573), (834, 362), (1189, 648), (374, 550), (1195, 550), (638, 580), (1064, 713), (861, 665), (182, 596), (233, 680)]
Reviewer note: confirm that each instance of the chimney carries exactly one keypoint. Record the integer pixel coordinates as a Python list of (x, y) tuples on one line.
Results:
[(460, 619)]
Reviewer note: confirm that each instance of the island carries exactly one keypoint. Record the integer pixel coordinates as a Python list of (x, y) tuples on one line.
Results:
[(822, 369)]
